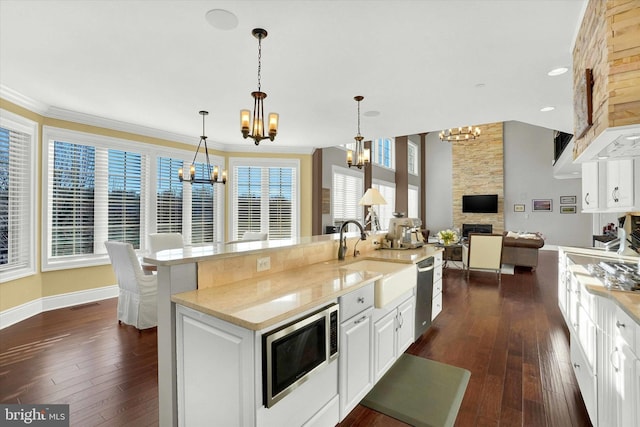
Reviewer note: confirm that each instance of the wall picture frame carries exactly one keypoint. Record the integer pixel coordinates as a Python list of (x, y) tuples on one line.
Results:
[(568, 200), (542, 205), (518, 207), (567, 209)]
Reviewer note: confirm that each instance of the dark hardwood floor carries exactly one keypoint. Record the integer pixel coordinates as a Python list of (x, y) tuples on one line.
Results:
[(511, 337)]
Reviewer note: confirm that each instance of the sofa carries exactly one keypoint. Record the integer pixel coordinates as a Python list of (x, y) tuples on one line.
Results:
[(521, 249)]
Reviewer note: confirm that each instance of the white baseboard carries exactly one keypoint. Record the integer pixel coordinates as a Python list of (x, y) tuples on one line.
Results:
[(17, 314)]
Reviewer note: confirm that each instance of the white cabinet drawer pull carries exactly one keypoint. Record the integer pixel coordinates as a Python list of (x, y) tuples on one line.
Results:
[(620, 325), (361, 300), (360, 320)]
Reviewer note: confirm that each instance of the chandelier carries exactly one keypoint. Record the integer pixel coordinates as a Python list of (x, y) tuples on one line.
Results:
[(254, 126), (362, 155), (460, 134), (211, 173)]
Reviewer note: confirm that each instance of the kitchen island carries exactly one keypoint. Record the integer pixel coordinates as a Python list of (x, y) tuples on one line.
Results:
[(223, 282), (604, 329)]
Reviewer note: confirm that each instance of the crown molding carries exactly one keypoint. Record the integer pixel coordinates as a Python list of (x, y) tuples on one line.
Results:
[(92, 120), (23, 100)]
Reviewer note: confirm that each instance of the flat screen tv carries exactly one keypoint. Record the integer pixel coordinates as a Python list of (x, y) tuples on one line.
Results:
[(480, 203)]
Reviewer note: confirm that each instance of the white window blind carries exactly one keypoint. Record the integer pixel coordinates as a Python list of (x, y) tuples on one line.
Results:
[(169, 196), (388, 191), (17, 196), (347, 192), (205, 201), (413, 202), (125, 186), (72, 199), (265, 198)]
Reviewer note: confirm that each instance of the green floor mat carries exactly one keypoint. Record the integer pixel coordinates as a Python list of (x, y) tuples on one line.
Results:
[(420, 392)]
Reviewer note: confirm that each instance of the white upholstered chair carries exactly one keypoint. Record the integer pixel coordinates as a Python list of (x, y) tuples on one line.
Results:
[(138, 295), (254, 235), (484, 252), (162, 241)]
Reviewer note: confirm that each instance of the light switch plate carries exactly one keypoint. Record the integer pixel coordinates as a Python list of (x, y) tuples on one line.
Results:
[(264, 264)]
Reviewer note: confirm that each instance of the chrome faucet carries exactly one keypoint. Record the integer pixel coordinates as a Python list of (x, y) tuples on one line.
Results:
[(342, 248)]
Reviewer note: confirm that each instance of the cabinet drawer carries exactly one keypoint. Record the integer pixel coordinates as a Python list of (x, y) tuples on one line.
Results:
[(356, 301), (437, 273), (626, 327), (586, 380), (436, 305), (437, 287), (589, 301), (437, 259)]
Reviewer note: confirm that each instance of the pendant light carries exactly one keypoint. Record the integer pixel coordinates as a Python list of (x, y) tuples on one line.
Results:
[(253, 126), (212, 174), (362, 155)]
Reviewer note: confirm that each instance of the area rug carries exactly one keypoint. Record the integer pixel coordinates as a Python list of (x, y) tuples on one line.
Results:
[(420, 392)]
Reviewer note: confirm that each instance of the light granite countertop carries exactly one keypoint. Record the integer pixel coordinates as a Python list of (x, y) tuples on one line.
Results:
[(261, 302), (627, 300)]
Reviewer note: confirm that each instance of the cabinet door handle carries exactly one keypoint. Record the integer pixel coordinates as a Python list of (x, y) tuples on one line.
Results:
[(620, 325), (614, 194), (360, 320), (586, 199), (576, 365), (615, 368)]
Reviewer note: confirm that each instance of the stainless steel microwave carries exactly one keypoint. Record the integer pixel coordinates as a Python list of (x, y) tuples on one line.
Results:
[(294, 352)]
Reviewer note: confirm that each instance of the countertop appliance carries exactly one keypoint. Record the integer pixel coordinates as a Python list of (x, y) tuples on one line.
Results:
[(294, 352), (404, 233), (424, 296)]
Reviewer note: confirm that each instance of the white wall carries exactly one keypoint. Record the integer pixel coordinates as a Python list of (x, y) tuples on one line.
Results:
[(528, 175), (438, 187)]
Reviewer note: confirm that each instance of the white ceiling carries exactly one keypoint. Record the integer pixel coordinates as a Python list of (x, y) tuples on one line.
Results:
[(155, 64)]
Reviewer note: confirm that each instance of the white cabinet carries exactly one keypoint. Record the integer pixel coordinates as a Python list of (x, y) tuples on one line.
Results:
[(393, 333), (590, 187), (212, 353), (627, 362), (564, 286), (384, 346), (355, 365), (620, 185), (436, 305), (608, 186)]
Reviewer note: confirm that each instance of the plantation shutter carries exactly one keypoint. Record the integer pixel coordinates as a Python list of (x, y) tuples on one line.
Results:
[(347, 192), (125, 188), (282, 202), (388, 192), (205, 207), (169, 196), (16, 205)]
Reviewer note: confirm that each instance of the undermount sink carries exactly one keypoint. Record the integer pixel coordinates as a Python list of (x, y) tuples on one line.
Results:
[(397, 279)]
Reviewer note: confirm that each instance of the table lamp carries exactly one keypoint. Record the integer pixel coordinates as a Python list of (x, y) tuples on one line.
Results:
[(372, 197)]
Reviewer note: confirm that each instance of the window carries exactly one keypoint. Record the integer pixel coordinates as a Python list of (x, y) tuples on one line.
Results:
[(412, 159), (383, 152), (17, 196), (265, 197), (94, 194), (99, 188), (414, 200), (347, 192), (168, 196), (195, 210), (385, 212)]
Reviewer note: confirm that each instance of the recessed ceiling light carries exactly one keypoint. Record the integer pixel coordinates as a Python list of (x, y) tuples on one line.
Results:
[(480, 85), (633, 137), (603, 157), (222, 19), (558, 71), (372, 113), (549, 108)]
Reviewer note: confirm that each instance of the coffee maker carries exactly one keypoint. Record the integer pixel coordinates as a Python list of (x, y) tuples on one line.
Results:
[(404, 233)]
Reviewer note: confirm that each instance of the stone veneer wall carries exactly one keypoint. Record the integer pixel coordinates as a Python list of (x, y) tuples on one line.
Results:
[(244, 266), (608, 42), (478, 168)]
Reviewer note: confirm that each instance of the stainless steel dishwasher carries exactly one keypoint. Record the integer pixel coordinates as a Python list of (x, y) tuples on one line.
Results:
[(424, 296)]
